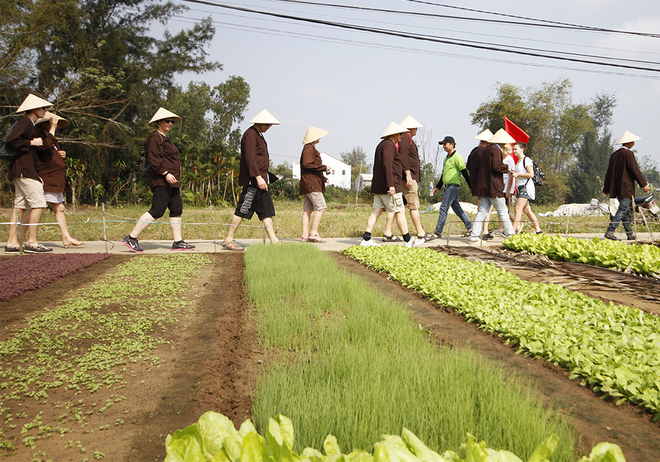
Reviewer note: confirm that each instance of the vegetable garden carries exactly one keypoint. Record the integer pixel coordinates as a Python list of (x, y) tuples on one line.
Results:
[(105, 364)]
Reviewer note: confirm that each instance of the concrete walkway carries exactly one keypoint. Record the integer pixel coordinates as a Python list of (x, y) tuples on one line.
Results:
[(331, 244)]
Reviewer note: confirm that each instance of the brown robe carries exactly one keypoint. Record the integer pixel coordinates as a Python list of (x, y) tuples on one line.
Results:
[(387, 168), (489, 181), (254, 158), (163, 157), (409, 157), (52, 168), (622, 172), (311, 170), (25, 166), (472, 166)]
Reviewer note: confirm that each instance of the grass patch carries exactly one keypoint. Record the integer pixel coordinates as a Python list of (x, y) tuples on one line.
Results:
[(350, 362)]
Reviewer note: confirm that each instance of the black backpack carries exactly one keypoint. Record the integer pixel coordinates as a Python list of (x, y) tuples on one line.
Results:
[(6, 153), (539, 176), (144, 164)]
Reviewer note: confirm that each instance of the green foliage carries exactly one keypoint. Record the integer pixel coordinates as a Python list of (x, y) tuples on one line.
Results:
[(614, 348), (214, 437), (642, 259), (357, 159)]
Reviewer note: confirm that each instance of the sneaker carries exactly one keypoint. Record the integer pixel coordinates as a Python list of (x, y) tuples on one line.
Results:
[(369, 243), (611, 237), (419, 241), (496, 232), (475, 240), (182, 245), (631, 237), (39, 248), (410, 243), (132, 244), (488, 236)]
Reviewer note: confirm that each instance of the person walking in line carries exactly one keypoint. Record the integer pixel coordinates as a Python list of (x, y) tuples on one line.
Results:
[(410, 182), (452, 169), (312, 184), (508, 159), (525, 187), (29, 201), (489, 185), (52, 170), (254, 178), (164, 181), (622, 173), (386, 185)]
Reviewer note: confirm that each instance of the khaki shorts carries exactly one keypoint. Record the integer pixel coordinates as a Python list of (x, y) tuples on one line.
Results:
[(392, 204), (411, 195), (29, 194), (314, 201)]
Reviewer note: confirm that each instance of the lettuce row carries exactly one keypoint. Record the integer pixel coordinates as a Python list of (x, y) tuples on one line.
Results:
[(642, 259), (214, 439), (614, 348)]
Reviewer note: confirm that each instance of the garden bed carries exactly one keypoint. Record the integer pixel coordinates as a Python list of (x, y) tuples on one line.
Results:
[(212, 360)]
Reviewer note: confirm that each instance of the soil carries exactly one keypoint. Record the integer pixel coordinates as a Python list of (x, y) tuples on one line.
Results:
[(214, 356)]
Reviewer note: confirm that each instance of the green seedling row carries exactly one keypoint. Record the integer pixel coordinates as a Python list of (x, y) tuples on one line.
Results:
[(641, 259), (614, 348)]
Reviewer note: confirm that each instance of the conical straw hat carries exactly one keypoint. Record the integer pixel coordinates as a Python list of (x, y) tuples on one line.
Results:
[(313, 134), (409, 122), (627, 138), (61, 123), (501, 137), (484, 136), (265, 117), (33, 102), (393, 129), (163, 113)]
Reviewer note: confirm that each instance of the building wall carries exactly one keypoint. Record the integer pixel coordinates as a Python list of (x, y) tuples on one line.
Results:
[(340, 172)]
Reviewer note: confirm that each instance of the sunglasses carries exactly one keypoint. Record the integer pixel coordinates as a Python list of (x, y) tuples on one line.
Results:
[(168, 121)]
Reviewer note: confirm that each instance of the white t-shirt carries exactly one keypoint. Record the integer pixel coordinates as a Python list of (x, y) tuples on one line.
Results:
[(505, 176), (527, 182)]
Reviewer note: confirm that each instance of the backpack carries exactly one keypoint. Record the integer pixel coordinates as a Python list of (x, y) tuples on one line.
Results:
[(6, 153), (539, 176), (144, 164)]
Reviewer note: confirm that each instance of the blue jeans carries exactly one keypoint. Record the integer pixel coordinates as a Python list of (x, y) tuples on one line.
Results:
[(499, 203), (621, 216), (450, 199)]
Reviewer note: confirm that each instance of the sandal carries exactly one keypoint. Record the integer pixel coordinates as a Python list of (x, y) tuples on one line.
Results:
[(391, 238), (304, 239), (231, 246), (315, 238), (74, 242)]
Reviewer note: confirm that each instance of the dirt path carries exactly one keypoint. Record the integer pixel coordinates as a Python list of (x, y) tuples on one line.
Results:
[(596, 419)]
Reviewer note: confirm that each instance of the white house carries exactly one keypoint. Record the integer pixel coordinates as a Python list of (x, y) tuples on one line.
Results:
[(362, 180), (340, 172)]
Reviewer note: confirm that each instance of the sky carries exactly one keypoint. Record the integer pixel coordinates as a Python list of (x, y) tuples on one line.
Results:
[(354, 83)]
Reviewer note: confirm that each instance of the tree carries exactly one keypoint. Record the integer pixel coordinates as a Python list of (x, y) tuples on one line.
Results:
[(357, 159), (554, 123)]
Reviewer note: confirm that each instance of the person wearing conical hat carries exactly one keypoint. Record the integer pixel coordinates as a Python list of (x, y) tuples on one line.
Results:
[(410, 182), (386, 185), (164, 181), (52, 171), (453, 168), (254, 178), (29, 201), (622, 173), (489, 185), (312, 184)]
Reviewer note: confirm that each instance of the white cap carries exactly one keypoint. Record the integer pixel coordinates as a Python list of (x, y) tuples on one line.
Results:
[(163, 113), (627, 138), (265, 117), (501, 137), (484, 136), (33, 102), (313, 134), (393, 129)]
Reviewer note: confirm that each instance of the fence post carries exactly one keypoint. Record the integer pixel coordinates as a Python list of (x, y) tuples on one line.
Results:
[(568, 217), (19, 233), (105, 238)]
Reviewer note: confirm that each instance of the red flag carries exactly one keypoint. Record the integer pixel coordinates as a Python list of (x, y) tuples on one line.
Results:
[(516, 132)]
